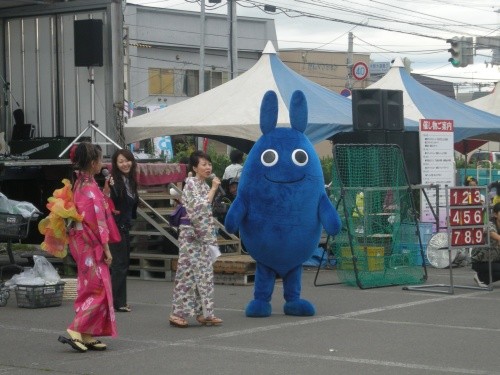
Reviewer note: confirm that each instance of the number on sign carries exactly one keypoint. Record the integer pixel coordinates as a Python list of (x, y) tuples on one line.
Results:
[(465, 197), (467, 237)]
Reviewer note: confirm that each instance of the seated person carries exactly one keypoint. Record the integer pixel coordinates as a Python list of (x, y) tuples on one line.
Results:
[(494, 189), (470, 181), (222, 202), (232, 188), (20, 130), (479, 257)]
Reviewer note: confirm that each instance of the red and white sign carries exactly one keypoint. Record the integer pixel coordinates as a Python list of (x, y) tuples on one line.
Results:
[(360, 70), (467, 237), (436, 160), (463, 220), (466, 216)]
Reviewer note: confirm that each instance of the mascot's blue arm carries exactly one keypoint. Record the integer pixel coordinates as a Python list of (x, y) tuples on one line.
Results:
[(329, 216), (235, 215)]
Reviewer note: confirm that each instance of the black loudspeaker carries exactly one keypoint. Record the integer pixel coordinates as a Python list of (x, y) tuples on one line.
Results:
[(367, 110), (376, 109), (393, 110), (88, 43)]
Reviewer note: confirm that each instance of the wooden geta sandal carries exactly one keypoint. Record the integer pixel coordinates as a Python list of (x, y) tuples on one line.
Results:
[(210, 321), (177, 321)]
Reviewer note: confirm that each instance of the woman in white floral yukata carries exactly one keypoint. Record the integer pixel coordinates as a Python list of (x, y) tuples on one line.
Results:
[(194, 278)]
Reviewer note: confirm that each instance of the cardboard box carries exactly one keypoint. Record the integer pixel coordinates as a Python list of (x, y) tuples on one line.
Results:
[(369, 258)]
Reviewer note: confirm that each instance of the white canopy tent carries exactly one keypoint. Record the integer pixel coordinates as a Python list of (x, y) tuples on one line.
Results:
[(231, 112), (489, 103), (421, 102)]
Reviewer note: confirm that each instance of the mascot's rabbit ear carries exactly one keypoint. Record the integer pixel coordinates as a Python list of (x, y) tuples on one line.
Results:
[(298, 111), (268, 112)]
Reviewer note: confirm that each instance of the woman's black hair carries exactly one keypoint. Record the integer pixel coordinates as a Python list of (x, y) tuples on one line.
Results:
[(194, 159), (236, 156), (84, 154), (495, 210), (118, 175)]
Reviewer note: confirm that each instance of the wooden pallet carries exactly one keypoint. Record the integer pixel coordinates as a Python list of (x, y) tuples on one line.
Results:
[(242, 264), (234, 278), (156, 267)]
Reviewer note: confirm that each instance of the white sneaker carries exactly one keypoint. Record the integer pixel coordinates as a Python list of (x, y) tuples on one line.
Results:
[(479, 282)]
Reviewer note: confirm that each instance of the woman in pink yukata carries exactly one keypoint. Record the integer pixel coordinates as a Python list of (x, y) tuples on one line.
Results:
[(88, 244)]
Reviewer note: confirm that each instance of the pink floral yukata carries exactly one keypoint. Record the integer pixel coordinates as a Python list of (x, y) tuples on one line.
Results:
[(94, 302), (194, 278)]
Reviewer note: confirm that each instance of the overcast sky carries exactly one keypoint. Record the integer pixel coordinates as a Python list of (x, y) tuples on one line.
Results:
[(416, 29)]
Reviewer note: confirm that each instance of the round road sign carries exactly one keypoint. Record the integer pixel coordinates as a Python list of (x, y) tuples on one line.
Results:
[(345, 92), (360, 70)]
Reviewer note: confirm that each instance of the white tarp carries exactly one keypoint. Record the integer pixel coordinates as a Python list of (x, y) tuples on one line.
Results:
[(421, 102), (233, 109), (489, 103)]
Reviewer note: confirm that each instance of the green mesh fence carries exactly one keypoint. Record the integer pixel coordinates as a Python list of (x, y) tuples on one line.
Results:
[(380, 243)]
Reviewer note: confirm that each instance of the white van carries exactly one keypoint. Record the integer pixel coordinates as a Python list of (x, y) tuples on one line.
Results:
[(492, 156)]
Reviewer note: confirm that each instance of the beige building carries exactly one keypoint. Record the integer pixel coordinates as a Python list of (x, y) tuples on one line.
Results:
[(326, 68)]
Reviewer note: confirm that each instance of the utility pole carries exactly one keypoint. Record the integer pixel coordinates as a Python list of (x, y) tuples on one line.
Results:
[(233, 48), (349, 60), (201, 74)]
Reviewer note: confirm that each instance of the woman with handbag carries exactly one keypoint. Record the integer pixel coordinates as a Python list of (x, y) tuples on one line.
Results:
[(122, 189), (88, 243), (194, 278)]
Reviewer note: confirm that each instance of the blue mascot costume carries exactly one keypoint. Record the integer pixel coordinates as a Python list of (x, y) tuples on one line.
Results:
[(281, 207)]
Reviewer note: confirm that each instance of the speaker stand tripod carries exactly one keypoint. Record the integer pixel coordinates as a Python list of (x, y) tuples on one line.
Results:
[(92, 126)]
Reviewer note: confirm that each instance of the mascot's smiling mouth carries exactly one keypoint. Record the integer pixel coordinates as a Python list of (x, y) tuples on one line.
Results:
[(284, 182)]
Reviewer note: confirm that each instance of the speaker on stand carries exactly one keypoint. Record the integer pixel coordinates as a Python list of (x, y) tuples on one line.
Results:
[(377, 109), (378, 118), (88, 42), (393, 110), (88, 46), (367, 110)]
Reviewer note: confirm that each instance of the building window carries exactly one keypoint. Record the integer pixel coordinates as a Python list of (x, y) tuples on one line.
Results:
[(191, 84), (161, 81), (212, 80)]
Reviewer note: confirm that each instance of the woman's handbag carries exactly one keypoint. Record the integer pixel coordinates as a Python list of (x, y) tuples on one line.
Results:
[(114, 232)]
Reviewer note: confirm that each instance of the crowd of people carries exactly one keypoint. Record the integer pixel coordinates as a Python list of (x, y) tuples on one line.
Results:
[(100, 244)]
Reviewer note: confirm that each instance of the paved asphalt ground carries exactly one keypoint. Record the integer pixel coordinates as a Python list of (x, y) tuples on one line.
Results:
[(373, 331)]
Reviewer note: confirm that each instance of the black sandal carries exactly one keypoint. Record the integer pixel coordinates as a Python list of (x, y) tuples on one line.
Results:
[(124, 309), (76, 344), (95, 345)]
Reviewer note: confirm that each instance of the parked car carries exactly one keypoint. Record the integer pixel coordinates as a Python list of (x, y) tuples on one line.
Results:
[(492, 156)]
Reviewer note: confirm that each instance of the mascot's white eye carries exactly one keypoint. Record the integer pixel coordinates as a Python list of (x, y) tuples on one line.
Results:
[(300, 157), (269, 157)]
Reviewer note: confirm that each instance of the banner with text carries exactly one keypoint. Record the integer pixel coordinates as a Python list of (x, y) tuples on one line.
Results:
[(436, 158)]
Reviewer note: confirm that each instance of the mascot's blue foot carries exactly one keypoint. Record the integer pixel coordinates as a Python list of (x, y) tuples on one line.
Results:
[(299, 307), (258, 309)]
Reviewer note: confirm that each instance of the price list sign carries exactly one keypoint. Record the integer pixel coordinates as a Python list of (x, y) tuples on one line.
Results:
[(466, 217)]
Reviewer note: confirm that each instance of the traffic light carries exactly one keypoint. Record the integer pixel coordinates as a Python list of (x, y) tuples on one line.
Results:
[(461, 51), (456, 51), (467, 51)]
